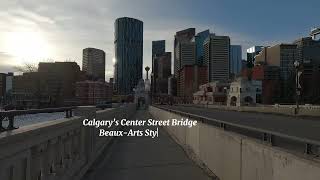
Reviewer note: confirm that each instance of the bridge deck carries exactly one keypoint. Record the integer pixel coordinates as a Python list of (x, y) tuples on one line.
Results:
[(145, 158)]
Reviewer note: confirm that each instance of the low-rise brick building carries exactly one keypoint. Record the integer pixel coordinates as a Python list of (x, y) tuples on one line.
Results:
[(93, 92)]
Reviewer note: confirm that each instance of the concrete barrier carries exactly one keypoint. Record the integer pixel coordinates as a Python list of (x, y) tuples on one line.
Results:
[(56, 150), (231, 156)]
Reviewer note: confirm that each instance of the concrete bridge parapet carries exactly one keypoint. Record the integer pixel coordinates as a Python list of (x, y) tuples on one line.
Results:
[(232, 156), (56, 150)]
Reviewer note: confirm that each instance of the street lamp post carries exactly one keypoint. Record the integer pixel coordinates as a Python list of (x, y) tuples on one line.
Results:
[(297, 65)]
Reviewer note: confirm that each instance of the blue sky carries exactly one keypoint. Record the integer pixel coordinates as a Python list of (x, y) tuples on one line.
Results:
[(37, 30)]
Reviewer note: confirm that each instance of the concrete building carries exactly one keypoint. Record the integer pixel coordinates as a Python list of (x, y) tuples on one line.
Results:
[(29, 90), (182, 47), (308, 55), (172, 86), (9, 79), (2, 87), (244, 92), (53, 85), (212, 93), (235, 60), (5, 87), (217, 57), (128, 44), (282, 56), (163, 73), (199, 40), (270, 78), (93, 92), (93, 63), (251, 53), (191, 77)]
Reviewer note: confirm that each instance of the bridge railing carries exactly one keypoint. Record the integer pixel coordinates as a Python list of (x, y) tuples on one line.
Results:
[(11, 114), (56, 150)]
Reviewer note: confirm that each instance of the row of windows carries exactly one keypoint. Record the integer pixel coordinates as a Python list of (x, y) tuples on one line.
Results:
[(247, 89)]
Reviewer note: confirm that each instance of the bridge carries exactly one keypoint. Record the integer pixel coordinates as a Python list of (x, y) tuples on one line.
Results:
[(226, 145)]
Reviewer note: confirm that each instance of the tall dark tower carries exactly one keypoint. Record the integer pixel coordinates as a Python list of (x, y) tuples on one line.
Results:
[(128, 43)]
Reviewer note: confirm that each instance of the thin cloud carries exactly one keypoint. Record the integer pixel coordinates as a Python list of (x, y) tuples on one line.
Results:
[(72, 25)]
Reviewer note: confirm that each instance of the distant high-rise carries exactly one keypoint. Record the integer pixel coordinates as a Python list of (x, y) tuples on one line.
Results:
[(93, 63), (216, 57), (158, 49), (164, 72), (184, 49), (128, 44), (251, 53), (235, 59), (199, 40), (308, 55)]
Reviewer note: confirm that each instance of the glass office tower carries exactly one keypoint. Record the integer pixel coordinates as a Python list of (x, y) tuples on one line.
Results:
[(235, 59), (199, 40), (128, 43)]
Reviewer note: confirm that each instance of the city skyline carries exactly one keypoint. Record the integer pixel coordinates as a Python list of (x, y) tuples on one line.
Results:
[(28, 29)]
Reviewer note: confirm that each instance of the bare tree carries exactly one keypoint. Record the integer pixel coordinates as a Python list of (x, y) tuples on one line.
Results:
[(27, 67)]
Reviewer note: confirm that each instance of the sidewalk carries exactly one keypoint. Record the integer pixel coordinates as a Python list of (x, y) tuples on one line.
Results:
[(139, 158)]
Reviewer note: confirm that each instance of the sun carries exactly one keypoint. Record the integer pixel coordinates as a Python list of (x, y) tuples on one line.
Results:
[(27, 46)]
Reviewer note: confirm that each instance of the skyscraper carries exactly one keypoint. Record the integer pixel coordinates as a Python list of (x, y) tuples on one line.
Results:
[(93, 63), (199, 40), (235, 59), (216, 57), (182, 47), (164, 72), (158, 49), (128, 44), (308, 55)]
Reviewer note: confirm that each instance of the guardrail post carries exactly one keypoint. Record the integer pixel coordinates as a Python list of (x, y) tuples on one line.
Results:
[(267, 138), (308, 148), (223, 126), (1, 127), (11, 123), (87, 133), (68, 113)]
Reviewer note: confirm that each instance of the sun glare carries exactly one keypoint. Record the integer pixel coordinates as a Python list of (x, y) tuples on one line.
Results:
[(27, 46)]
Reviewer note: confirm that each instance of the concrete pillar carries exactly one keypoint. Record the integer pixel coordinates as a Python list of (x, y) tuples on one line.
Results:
[(87, 133)]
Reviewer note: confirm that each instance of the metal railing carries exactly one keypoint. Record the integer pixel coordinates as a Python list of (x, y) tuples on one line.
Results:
[(11, 114), (273, 138)]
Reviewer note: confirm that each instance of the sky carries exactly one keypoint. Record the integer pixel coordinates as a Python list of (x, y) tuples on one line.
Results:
[(51, 30)]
